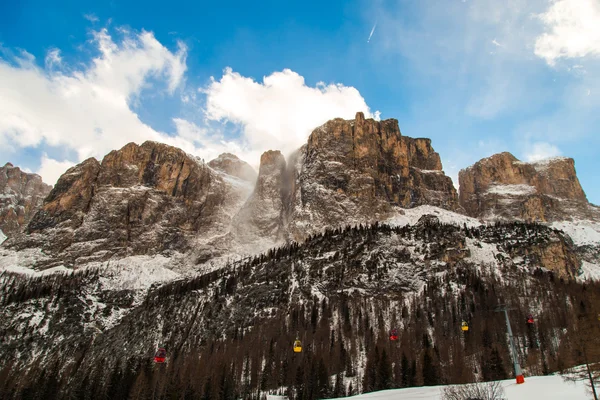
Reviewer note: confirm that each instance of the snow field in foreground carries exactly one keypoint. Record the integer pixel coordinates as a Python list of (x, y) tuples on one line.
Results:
[(536, 387)]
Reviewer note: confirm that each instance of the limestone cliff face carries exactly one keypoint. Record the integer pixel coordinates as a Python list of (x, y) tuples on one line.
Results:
[(379, 163), (501, 186), (349, 172), (358, 170), (21, 195), (232, 165), (140, 200), (69, 200), (262, 215)]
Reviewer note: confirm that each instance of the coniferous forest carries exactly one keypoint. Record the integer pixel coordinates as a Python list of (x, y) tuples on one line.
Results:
[(229, 333)]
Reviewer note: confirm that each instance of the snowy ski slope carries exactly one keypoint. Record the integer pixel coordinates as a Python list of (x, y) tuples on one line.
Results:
[(536, 387)]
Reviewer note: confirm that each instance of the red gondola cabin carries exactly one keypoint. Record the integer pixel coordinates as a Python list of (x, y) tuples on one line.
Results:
[(160, 356), (530, 319), (394, 334)]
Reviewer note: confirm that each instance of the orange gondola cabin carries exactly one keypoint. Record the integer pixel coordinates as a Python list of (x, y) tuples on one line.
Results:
[(464, 326), (394, 334), (160, 356)]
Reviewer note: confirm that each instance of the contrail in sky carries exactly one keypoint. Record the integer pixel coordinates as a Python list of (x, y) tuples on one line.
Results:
[(371, 34)]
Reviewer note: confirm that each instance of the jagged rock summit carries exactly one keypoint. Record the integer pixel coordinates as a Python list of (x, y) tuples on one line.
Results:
[(349, 172), (142, 199), (230, 164), (503, 187), (21, 194)]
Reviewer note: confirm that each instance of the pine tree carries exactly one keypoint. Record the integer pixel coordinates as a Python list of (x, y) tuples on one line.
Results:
[(322, 389), (430, 374), (385, 372), (299, 383), (405, 371)]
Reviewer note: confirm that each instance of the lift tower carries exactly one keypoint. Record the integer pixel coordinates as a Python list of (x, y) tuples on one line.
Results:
[(513, 349)]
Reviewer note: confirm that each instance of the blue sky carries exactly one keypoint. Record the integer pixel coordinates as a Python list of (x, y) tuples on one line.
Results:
[(80, 78)]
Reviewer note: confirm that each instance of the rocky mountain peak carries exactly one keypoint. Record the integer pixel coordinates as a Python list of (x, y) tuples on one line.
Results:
[(69, 200), (231, 165), (271, 161), (21, 194), (141, 199), (263, 214), (502, 186), (356, 171)]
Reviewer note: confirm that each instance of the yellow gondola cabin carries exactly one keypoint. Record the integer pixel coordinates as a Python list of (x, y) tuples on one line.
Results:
[(297, 346), (464, 326)]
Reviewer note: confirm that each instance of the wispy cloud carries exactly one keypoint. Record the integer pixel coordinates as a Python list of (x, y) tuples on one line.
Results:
[(91, 17), (540, 151), (372, 31), (53, 58)]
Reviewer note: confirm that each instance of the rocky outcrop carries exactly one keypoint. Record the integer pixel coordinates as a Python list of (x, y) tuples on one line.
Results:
[(232, 165), (140, 200), (69, 200), (502, 187), (262, 215), (21, 195), (358, 170)]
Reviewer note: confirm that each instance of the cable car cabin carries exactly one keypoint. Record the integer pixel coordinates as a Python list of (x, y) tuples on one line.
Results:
[(464, 326), (160, 356), (530, 319), (297, 346), (394, 334)]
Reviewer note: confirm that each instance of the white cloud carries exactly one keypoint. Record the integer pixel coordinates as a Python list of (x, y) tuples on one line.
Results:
[(574, 27), (88, 112), (85, 110), (281, 111), (91, 17), (53, 58), (50, 170), (540, 151)]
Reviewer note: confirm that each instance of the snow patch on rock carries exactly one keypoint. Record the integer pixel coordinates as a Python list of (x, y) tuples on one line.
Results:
[(511, 190), (542, 165), (411, 216), (137, 272), (581, 231), (589, 271), (2, 237)]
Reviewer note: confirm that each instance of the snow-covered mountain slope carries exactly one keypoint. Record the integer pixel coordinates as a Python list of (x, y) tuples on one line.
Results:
[(411, 216), (583, 232), (552, 387), (340, 292), (2, 237)]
